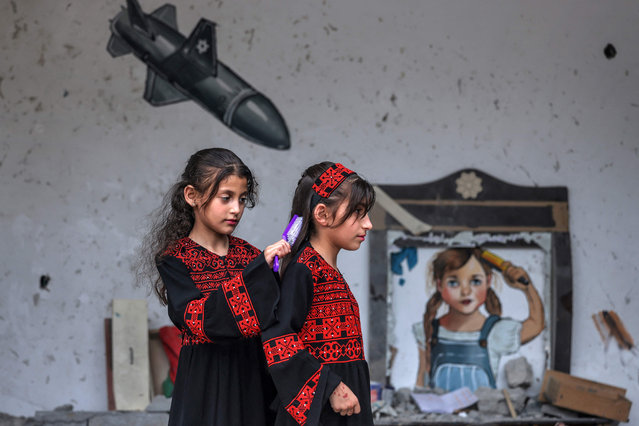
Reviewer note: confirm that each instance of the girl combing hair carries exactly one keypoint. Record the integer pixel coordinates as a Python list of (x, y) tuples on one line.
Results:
[(220, 293), (463, 347)]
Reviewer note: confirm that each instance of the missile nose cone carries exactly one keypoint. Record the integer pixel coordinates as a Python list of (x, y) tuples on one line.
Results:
[(257, 119)]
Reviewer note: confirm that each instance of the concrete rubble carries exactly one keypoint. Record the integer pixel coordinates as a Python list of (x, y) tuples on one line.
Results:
[(519, 373), (491, 409), (155, 415)]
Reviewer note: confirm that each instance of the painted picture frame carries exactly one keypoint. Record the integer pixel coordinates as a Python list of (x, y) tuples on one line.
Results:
[(525, 225)]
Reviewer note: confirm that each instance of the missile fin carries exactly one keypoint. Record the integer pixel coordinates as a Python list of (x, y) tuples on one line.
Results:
[(201, 46), (117, 47), (159, 92), (136, 16), (167, 15)]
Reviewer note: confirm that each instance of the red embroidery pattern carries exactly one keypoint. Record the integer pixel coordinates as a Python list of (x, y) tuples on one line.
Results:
[(238, 299), (194, 318), (280, 349), (323, 273), (334, 352), (332, 331), (188, 339), (210, 271), (330, 328), (301, 404), (328, 181)]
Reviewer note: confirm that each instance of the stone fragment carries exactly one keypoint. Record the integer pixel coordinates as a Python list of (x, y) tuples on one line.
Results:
[(518, 373), (493, 401), (130, 419), (402, 395)]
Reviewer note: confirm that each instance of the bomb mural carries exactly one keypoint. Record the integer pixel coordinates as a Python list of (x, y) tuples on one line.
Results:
[(187, 68)]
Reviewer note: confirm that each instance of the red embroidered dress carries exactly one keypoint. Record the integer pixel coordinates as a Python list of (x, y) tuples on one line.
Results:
[(316, 343), (220, 303)]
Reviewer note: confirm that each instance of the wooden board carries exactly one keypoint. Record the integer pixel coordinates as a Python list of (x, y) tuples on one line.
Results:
[(130, 339), (109, 363), (585, 396)]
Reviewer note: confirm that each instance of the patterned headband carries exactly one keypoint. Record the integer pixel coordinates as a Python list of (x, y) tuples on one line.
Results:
[(330, 180)]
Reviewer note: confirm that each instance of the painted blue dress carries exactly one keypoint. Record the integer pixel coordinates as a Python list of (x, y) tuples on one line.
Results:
[(469, 359)]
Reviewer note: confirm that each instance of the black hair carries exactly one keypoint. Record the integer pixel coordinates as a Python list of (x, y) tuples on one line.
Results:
[(355, 189), (174, 219)]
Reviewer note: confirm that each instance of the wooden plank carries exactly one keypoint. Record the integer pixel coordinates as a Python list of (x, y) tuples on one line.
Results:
[(109, 363), (131, 371), (585, 396)]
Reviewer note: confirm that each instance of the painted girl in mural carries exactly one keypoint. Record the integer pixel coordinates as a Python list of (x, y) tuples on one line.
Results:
[(464, 347)]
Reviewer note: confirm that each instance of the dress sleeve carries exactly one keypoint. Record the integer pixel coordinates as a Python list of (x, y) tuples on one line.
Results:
[(239, 308), (303, 383), (503, 339), (419, 334)]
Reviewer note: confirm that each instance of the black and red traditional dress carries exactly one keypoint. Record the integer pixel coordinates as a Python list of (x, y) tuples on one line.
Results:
[(316, 344), (220, 303)]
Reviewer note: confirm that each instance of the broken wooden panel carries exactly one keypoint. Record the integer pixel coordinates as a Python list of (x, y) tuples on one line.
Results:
[(585, 396), (131, 370)]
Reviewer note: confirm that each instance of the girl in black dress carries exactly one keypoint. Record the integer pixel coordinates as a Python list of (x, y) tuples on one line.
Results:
[(220, 292), (315, 351)]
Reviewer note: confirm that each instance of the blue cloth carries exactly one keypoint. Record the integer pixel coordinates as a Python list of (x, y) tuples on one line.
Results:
[(455, 364)]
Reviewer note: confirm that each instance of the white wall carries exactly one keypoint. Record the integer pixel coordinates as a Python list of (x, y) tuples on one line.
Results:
[(401, 91)]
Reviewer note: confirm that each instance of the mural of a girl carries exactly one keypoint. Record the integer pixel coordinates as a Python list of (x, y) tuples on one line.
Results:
[(463, 347)]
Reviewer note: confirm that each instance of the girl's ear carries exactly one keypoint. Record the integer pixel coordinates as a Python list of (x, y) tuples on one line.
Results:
[(489, 279), (439, 285), (190, 195), (321, 214)]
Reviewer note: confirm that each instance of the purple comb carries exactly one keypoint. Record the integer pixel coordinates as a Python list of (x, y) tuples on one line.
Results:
[(290, 235)]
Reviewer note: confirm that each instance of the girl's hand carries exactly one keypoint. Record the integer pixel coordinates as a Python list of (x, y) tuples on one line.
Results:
[(512, 274), (280, 248), (343, 401)]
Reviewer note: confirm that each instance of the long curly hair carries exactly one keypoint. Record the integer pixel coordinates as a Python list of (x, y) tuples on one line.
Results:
[(445, 261), (355, 189), (174, 219)]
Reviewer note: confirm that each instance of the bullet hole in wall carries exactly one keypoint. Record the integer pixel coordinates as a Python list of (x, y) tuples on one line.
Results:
[(610, 51), (44, 282)]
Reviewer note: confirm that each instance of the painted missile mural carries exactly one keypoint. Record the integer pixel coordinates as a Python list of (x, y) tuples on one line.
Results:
[(181, 69)]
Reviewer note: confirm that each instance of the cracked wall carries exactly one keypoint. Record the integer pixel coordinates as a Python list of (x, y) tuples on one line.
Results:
[(403, 92)]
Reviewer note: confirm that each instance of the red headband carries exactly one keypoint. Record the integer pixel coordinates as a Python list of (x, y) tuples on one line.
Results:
[(330, 180)]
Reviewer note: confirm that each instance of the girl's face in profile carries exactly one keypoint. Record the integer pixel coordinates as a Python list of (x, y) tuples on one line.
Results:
[(465, 289), (352, 232)]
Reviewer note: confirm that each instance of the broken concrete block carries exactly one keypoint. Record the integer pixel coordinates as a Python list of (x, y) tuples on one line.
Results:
[(401, 395), (8, 420), (518, 372), (56, 418), (159, 403), (130, 419), (493, 401)]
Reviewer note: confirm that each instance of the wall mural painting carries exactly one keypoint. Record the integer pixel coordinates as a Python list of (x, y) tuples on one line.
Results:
[(457, 320), (478, 275), (181, 68)]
